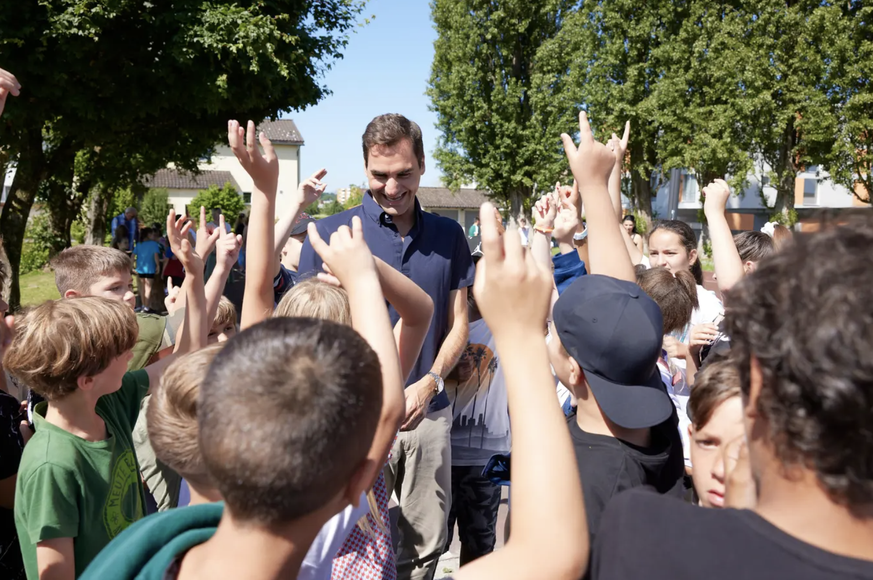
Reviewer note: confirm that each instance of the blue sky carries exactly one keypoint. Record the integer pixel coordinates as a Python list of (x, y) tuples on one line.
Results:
[(385, 70)]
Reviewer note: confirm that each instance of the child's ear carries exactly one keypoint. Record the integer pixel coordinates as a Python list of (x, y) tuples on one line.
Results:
[(71, 294), (85, 383), (577, 377)]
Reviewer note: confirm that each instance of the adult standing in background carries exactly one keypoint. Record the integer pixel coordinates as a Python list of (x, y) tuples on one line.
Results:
[(433, 252), (128, 220)]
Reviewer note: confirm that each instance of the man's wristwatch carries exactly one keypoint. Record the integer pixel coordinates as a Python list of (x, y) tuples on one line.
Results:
[(440, 383)]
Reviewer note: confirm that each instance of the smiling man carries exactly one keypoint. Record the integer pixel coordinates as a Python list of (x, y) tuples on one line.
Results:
[(433, 252)]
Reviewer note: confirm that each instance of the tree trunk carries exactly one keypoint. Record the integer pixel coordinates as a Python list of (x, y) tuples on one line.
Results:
[(64, 204), (30, 171), (786, 174), (98, 207), (641, 197), (516, 201)]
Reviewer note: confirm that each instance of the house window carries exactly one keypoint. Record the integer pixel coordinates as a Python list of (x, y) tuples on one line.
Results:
[(810, 191), (247, 197), (690, 191)]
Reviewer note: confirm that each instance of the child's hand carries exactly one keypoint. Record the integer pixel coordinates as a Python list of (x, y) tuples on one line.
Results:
[(675, 348), (569, 193), (702, 334), (311, 189), (545, 211), (592, 162), (263, 169), (619, 146), (715, 198), (177, 234), (8, 85), (227, 247), (206, 239), (566, 222), (511, 289), (172, 296), (348, 257)]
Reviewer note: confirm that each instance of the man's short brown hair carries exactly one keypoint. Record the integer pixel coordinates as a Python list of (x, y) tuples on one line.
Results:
[(288, 442), (172, 415), (390, 129), (61, 340), (717, 382), (78, 267)]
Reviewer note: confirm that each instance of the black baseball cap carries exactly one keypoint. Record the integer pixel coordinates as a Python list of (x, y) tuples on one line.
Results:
[(615, 332), (303, 221)]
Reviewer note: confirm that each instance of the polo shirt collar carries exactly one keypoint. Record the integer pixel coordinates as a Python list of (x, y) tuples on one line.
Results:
[(375, 212)]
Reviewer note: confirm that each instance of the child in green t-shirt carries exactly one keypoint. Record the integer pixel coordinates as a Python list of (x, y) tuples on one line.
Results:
[(78, 482)]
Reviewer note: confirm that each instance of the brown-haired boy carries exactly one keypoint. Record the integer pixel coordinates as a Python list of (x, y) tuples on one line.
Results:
[(97, 271), (78, 483)]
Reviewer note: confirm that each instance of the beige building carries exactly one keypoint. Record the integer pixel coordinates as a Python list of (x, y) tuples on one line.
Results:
[(222, 167), (343, 194)]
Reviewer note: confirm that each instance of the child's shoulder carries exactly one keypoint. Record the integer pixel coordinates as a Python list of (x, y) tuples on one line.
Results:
[(50, 448)]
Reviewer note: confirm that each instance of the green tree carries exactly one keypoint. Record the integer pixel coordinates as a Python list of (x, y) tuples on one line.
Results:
[(356, 197), (333, 207), (154, 207), (226, 198), (499, 105), (136, 85)]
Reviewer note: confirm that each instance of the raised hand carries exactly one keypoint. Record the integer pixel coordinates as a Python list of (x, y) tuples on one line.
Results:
[(177, 235), (619, 145), (591, 162), (311, 188), (347, 255), (716, 195), (206, 239), (566, 222), (227, 246), (511, 290), (546, 209), (263, 169), (172, 296), (9, 85)]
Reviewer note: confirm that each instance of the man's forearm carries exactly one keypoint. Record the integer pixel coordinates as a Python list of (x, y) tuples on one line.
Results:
[(453, 347)]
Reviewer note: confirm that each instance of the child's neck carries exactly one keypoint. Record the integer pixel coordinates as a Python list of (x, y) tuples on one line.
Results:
[(239, 550), (591, 419), (75, 413), (796, 504), (201, 494)]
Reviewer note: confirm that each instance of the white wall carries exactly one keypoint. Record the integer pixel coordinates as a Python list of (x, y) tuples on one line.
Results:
[(180, 198), (289, 159)]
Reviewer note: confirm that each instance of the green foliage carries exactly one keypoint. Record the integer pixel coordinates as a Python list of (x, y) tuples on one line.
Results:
[(77, 231), (122, 199), (500, 96), (313, 209), (155, 207), (38, 242), (331, 208), (226, 198), (356, 197)]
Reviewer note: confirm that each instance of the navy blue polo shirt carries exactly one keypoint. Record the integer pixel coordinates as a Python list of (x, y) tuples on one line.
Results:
[(434, 255)]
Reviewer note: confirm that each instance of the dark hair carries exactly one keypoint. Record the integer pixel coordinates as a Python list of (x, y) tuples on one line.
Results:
[(145, 233), (289, 442), (688, 239), (781, 236), (805, 316), (753, 246), (630, 218), (717, 382), (389, 130), (676, 295)]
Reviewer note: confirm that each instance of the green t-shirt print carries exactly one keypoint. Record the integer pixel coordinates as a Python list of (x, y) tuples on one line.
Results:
[(86, 490)]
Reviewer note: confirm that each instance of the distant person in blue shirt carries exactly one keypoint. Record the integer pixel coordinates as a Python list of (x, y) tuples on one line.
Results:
[(149, 255), (128, 220), (434, 253)]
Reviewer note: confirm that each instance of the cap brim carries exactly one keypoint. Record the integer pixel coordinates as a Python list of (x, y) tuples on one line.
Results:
[(301, 228), (632, 407)]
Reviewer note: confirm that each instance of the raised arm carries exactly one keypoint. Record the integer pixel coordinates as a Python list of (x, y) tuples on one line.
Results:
[(227, 248), (592, 163), (350, 260), (549, 531), (264, 171), (619, 148), (726, 260), (307, 193)]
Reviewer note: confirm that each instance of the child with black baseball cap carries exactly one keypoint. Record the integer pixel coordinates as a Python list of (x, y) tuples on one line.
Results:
[(606, 340)]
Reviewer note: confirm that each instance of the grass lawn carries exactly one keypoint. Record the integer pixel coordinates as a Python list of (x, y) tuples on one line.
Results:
[(37, 287)]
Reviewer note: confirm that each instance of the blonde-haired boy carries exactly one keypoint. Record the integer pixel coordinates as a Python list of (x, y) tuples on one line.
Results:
[(78, 482)]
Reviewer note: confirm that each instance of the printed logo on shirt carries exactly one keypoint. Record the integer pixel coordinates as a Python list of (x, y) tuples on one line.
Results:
[(124, 504), (479, 418)]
